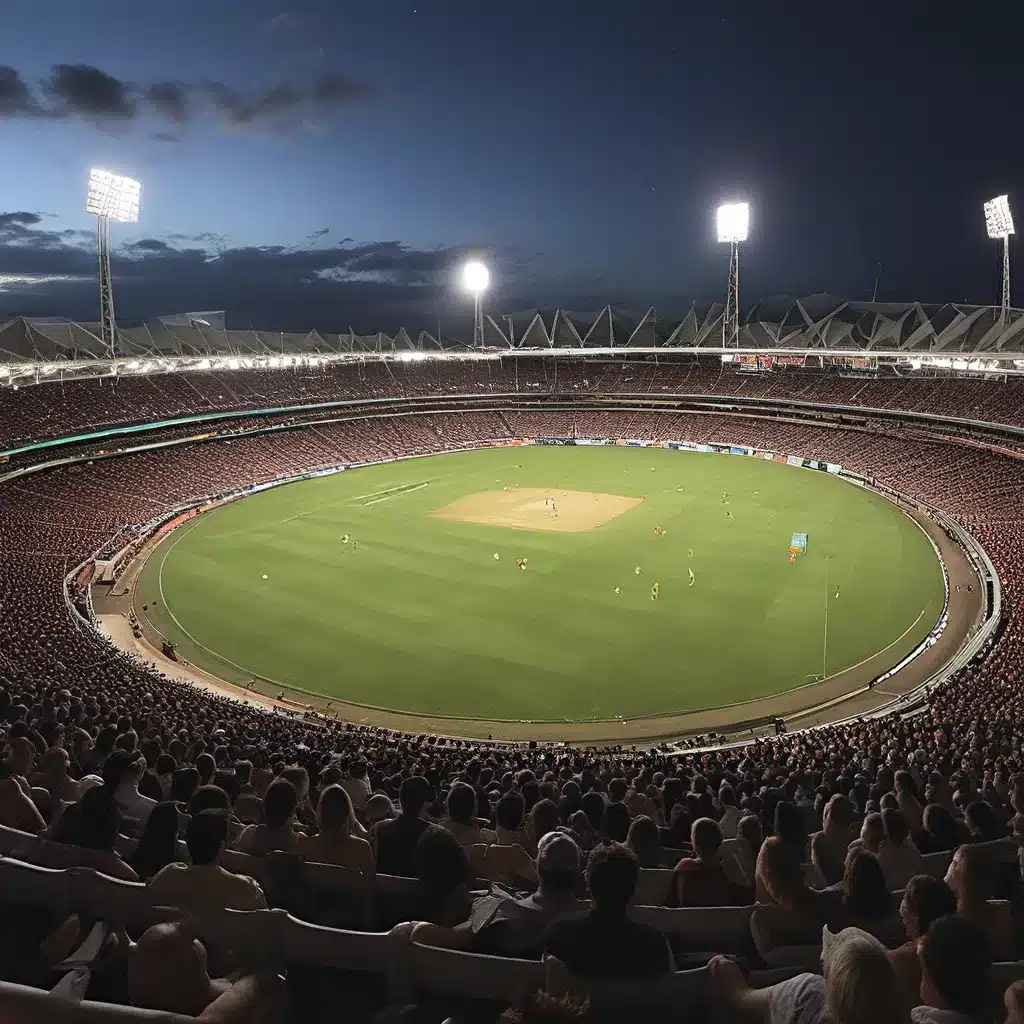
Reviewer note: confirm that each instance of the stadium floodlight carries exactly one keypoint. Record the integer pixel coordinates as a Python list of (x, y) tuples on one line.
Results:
[(476, 277), (999, 224), (733, 222), (111, 197)]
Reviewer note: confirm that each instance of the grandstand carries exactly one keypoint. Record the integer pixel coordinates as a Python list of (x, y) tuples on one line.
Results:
[(97, 454)]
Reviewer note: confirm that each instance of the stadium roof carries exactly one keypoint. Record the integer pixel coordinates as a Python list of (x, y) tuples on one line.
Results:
[(817, 323)]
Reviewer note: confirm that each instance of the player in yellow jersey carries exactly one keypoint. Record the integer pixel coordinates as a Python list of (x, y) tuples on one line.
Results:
[(655, 591)]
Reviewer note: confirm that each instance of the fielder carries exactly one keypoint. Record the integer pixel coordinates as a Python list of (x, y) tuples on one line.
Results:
[(689, 573), (655, 591)]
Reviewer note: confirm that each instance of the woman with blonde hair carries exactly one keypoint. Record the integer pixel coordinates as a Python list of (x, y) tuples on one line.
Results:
[(341, 839)]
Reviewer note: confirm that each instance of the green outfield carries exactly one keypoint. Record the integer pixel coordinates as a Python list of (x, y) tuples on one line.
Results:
[(379, 585)]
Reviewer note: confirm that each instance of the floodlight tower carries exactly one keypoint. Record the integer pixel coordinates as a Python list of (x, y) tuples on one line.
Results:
[(476, 277), (733, 222), (111, 197), (999, 224)]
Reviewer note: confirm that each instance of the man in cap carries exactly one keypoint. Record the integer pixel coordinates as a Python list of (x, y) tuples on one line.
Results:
[(506, 926)]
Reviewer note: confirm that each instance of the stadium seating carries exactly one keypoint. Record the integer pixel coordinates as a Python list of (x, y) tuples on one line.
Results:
[(60, 679)]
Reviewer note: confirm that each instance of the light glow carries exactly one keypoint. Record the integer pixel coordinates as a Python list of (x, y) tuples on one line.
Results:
[(113, 196), (733, 222), (998, 219), (476, 277)]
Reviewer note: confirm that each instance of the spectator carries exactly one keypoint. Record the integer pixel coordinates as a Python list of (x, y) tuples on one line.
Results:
[(644, 839), (829, 846), (461, 817), (167, 971), (605, 943), (445, 877), (866, 900), (701, 880), (505, 860), (615, 822), (509, 926), (1013, 1000), (897, 854), (942, 832), (336, 842), (158, 845), (277, 832), (16, 808), (859, 986), (394, 841), (204, 883), (92, 824), (731, 814), (122, 772), (970, 877), (955, 961), (925, 900), (357, 785)]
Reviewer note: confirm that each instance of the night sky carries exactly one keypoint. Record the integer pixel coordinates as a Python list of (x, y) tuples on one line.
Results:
[(332, 162)]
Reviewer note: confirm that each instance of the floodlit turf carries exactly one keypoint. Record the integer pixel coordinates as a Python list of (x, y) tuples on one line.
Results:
[(421, 617)]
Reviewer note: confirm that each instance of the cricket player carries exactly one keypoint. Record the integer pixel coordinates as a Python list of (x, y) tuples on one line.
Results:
[(689, 573), (655, 591)]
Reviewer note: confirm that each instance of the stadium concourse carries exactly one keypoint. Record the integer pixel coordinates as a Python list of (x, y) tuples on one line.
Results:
[(113, 772)]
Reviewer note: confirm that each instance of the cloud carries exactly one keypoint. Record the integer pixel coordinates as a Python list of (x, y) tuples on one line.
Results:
[(282, 22), (376, 285), (16, 99), (84, 92)]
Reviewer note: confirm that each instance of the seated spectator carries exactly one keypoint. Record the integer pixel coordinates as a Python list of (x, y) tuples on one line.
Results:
[(803, 910), (167, 971), (158, 845), (92, 824), (741, 860), (906, 800), (335, 843), (941, 831), (897, 853), (872, 833), (644, 839), (983, 823), (859, 986), (277, 832), (507, 926), (605, 943), (357, 785), (955, 961), (701, 880), (16, 807), (122, 772), (394, 840), (543, 818), (970, 876), (731, 813), (461, 818), (867, 903), (1013, 1001), (445, 877), (204, 883), (829, 846), (378, 808), (506, 860), (925, 900), (615, 822)]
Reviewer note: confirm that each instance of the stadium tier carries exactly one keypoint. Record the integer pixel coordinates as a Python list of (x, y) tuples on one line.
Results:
[(99, 740)]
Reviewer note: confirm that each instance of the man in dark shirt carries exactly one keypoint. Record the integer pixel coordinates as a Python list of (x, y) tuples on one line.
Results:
[(394, 840), (605, 943)]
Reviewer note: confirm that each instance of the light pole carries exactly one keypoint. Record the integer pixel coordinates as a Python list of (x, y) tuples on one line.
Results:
[(733, 222), (999, 224), (476, 278), (110, 197)]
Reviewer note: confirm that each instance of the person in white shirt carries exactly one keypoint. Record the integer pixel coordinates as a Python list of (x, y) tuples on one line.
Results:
[(899, 857), (731, 814), (357, 786), (122, 772)]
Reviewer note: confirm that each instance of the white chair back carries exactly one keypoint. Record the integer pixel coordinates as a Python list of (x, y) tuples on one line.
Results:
[(652, 887)]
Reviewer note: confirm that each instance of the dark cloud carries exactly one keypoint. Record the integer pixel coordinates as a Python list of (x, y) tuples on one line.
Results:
[(170, 100), (379, 285), (87, 92), (16, 99)]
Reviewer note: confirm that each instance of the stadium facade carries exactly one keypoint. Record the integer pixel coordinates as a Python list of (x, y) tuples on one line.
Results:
[(950, 336)]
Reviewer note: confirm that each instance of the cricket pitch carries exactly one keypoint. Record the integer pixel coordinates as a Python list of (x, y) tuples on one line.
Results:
[(530, 508)]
